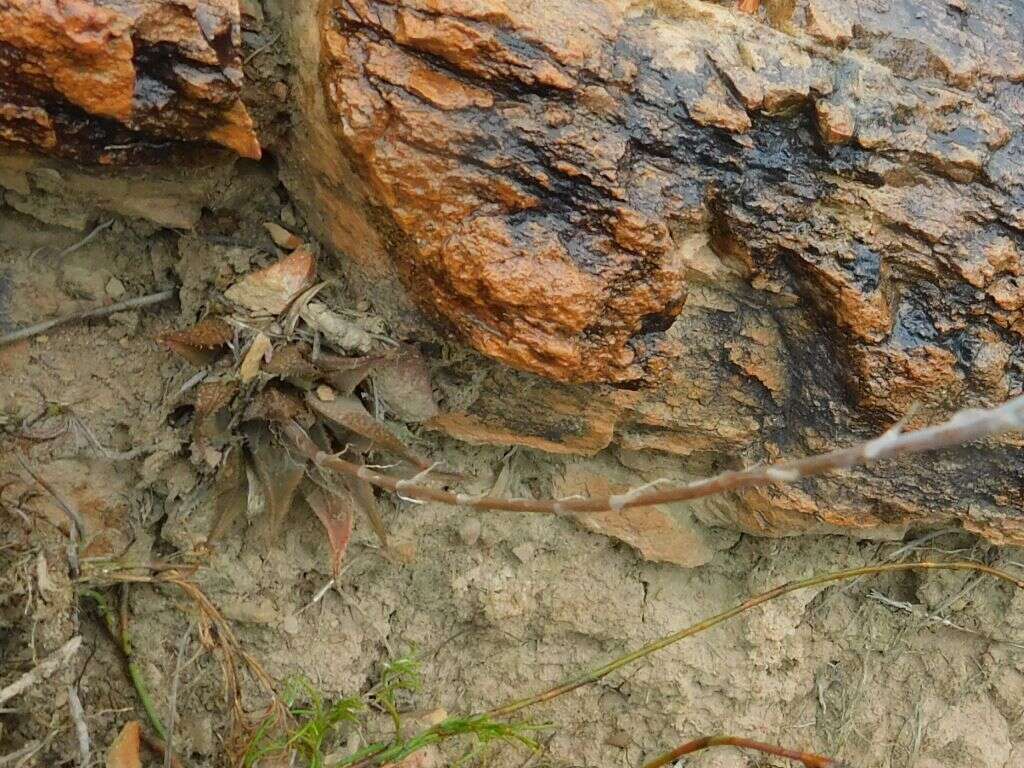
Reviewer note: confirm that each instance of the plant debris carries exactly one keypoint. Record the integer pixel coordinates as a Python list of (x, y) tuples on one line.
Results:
[(291, 361)]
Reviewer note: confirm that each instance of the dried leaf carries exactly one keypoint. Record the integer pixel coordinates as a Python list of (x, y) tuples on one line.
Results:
[(295, 310), (213, 413), (282, 237), (350, 413), (362, 492), (201, 344), (335, 514), (339, 332), (230, 495), (277, 405), (279, 476), (748, 6), (124, 751), (272, 289), (344, 374), (261, 350), (402, 379), (291, 363)]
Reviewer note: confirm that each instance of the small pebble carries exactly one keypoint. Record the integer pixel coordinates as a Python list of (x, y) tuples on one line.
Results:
[(525, 551), (115, 288), (620, 739), (404, 552), (325, 393), (280, 90), (291, 624), (212, 456), (469, 531)]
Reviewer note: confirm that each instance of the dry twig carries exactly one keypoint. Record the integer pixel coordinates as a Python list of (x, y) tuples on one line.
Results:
[(47, 667), (85, 240), (74, 516), (81, 729), (707, 742), (89, 314)]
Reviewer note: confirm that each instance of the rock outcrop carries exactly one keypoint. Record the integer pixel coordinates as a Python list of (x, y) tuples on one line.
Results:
[(720, 237), (689, 236), (115, 81)]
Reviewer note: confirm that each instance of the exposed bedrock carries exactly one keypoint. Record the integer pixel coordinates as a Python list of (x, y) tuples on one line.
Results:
[(682, 238)]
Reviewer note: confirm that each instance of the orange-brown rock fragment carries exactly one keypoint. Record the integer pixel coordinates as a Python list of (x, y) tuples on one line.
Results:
[(79, 50), (110, 81)]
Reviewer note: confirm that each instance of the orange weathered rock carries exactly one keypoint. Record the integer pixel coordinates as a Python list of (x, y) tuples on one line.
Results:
[(705, 236), (112, 81), (719, 237)]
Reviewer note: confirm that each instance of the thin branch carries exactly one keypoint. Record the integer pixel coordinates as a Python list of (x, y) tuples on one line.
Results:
[(707, 742), (963, 427), (123, 642), (47, 667), (85, 240), (74, 516), (89, 314)]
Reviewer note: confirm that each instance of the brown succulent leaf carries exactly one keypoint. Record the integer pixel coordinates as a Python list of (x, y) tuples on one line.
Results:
[(278, 405), (291, 320), (270, 290), (278, 474), (344, 374), (213, 411), (402, 380), (124, 750), (282, 237), (291, 363), (353, 444), (201, 344), (230, 495), (334, 511), (319, 435), (362, 492), (350, 413)]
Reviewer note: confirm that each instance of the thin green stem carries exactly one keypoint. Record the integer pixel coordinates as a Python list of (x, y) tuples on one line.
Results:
[(122, 640), (378, 753), (793, 586)]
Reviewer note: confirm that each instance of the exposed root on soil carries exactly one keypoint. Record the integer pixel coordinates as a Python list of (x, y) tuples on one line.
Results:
[(708, 742), (215, 634)]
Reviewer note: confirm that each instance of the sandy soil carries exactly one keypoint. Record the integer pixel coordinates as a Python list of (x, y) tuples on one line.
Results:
[(908, 671)]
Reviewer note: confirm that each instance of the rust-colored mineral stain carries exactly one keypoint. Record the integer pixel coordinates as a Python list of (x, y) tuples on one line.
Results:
[(83, 51), (415, 88), (78, 74)]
